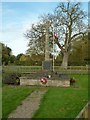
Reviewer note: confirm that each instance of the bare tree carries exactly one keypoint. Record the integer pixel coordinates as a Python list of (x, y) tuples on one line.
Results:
[(68, 21), (37, 36)]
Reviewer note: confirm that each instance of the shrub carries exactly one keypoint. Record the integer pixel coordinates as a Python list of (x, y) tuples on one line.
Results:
[(72, 81), (11, 78)]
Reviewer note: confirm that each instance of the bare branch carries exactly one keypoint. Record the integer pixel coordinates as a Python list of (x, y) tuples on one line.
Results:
[(75, 35), (59, 45)]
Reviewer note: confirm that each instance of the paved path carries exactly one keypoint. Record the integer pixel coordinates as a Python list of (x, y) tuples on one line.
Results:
[(29, 105)]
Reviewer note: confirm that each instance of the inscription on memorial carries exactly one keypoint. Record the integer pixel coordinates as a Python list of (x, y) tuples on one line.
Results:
[(47, 65)]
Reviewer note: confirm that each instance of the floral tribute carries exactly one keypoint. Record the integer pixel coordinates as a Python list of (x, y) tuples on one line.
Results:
[(43, 80)]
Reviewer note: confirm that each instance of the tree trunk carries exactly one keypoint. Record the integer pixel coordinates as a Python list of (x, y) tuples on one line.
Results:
[(65, 60)]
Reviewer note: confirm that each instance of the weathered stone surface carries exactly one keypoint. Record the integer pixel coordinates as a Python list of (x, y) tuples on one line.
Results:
[(28, 106), (28, 81), (47, 65)]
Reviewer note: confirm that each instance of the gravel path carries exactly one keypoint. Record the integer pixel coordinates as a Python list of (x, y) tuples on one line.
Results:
[(28, 106)]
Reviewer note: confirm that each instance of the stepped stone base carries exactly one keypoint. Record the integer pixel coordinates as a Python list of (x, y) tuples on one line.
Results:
[(28, 81)]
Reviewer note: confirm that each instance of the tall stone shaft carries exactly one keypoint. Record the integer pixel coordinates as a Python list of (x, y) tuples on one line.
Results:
[(47, 43)]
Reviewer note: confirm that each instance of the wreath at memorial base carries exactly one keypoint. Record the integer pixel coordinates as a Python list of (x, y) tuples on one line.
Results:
[(43, 80)]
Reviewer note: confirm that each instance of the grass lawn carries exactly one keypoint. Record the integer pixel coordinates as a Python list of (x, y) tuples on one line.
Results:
[(12, 97), (64, 102), (56, 103)]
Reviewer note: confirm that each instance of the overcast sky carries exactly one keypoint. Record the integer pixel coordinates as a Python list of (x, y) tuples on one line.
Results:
[(17, 17)]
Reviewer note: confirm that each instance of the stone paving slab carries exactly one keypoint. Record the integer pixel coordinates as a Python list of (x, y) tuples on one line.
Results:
[(28, 106)]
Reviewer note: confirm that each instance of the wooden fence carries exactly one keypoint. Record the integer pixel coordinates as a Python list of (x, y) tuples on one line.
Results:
[(70, 70), (85, 113)]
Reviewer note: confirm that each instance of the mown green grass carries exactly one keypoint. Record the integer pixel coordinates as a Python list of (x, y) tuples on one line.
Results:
[(57, 102), (64, 102), (81, 80), (12, 97)]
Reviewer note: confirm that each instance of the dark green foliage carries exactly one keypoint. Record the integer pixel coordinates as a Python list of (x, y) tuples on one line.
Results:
[(7, 56), (18, 56), (12, 59), (11, 78), (30, 63), (79, 54), (6, 52)]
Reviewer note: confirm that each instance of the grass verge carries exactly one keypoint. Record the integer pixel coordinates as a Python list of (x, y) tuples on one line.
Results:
[(12, 97), (64, 102)]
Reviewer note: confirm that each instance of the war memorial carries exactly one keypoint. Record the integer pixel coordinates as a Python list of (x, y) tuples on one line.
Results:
[(46, 77)]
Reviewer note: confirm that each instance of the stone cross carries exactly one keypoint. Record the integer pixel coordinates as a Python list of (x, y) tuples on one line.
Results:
[(47, 54), (47, 63)]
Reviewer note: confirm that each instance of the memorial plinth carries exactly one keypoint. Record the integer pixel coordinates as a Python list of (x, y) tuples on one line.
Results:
[(53, 79), (56, 83)]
